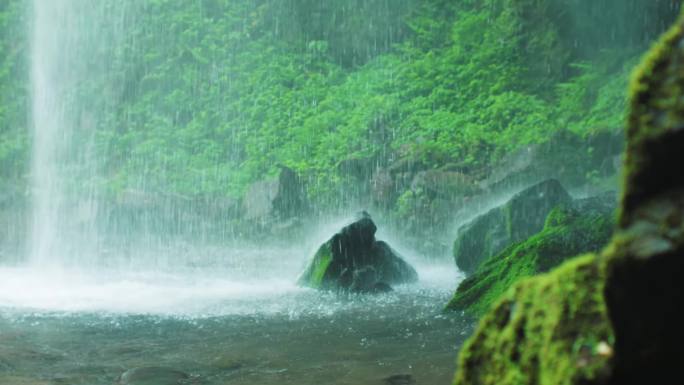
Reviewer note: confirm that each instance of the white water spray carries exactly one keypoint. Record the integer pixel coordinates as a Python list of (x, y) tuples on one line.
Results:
[(71, 42)]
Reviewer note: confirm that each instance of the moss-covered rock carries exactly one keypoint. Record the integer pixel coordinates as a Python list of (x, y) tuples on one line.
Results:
[(611, 318), (353, 260), (538, 334), (516, 220), (567, 233)]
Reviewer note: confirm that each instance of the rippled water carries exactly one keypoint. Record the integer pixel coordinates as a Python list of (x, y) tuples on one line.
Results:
[(222, 327)]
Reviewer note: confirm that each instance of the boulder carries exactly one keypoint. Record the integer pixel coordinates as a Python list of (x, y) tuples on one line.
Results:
[(567, 232), (444, 184), (572, 159), (277, 199), (353, 260), (613, 317), (516, 220), (605, 203)]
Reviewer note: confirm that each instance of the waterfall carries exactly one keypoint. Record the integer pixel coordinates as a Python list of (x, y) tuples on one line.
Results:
[(71, 49)]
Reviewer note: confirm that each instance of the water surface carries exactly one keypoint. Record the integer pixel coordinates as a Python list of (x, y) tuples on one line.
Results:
[(69, 326)]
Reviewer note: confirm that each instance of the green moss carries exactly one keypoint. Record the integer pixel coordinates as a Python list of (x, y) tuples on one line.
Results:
[(559, 217), (551, 329), (566, 233), (656, 120), (610, 318), (315, 271), (516, 220), (320, 265)]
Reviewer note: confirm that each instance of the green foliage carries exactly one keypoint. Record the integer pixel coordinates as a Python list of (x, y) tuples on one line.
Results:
[(205, 97)]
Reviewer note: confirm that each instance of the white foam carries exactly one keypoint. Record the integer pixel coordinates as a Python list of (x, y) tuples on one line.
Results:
[(140, 292), (187, 293)]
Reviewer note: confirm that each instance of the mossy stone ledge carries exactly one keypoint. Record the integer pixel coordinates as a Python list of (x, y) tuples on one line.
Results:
[(567, 233), (514, 221), (613, 317)]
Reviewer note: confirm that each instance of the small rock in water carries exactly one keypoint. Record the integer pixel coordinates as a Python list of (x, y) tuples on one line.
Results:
[(400, 379), (153, 376)]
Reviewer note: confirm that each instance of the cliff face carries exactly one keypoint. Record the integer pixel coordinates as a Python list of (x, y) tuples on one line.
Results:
[(611, 317)]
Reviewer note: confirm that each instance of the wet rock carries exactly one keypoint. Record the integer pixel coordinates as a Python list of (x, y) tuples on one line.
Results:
[(605, 203), (567, 233), (353, 260), (611, 318), (644, 289), (277, 199), (383, 189), (367, 280), (153, 376), (444, 184), (399, 379), (516, 220), (566, 156)]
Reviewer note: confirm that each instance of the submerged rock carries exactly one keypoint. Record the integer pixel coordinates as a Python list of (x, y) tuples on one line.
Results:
[(614, 317), (516, 220), (353, 260), (153, 376), (400, 379)]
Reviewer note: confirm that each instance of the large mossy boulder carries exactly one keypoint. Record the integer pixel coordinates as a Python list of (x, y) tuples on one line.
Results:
[(567, 233), (613, 317), (516, 220), (353, 260)]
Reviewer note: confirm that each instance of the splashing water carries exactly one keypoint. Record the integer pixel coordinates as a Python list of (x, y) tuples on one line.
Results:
[(72, 266)]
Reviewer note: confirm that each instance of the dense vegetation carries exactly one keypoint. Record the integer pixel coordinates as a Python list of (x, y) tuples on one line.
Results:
[(204, 97)]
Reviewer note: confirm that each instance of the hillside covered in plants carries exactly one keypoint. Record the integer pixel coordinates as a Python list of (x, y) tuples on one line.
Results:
[(202, 98)]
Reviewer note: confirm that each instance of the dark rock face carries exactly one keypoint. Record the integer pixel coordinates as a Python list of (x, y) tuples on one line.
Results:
[(352, 260), (644, 286), (566, 157), (568, 232), (383, 188), (153, 376), (277, 199), (516, 220), (605, 203), (444, 184), (614, 317)]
